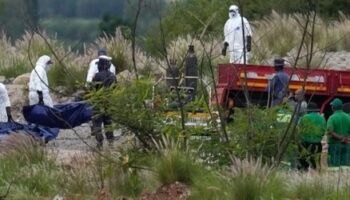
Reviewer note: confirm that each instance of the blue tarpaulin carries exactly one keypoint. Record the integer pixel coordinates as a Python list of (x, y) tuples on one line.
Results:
[(47, 134), (63, 116)]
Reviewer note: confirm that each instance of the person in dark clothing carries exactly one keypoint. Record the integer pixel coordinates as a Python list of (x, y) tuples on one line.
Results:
[(278, 87), (103, 79)]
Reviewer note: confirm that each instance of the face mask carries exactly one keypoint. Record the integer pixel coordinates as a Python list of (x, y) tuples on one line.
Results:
[(232, 13), (48, 65)]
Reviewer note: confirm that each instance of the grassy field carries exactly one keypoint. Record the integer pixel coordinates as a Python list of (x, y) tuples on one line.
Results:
[(30, 172)]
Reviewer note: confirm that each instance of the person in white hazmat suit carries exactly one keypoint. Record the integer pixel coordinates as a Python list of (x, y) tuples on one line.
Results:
[(235, 38), (93, 69), (38, 83), (5, 105)]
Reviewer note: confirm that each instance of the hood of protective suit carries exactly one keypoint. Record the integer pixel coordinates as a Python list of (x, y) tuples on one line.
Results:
[(43, 62), (235, 12)]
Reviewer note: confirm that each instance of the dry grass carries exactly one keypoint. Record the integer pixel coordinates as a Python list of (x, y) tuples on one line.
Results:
[(245, 179), (280, 35), (120, 50), (275, 35), (20, 143), (250, 167), (331, 180), (177, 49)]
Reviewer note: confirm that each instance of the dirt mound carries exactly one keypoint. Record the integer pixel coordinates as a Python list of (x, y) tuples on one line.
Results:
[(174, 191)]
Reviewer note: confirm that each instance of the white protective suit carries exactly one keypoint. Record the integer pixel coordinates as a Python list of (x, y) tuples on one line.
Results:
[(93, 69), (38, 82), (234, 35), (4, 102)]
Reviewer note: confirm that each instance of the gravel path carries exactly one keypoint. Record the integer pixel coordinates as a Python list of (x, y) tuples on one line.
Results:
[(73, 139), (72, 145)]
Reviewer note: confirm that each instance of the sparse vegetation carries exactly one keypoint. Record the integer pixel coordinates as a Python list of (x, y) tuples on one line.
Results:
[(161, 149), (29, 173), (26, 170)]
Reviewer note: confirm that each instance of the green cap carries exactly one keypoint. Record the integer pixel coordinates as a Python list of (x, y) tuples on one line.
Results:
[(336, 102)]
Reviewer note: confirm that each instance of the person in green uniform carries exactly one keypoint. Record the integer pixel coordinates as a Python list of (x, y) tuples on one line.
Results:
[(312, 127), (338, 127), (285, 116)]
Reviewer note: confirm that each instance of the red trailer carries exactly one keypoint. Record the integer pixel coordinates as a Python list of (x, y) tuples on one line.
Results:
[(321, 85)]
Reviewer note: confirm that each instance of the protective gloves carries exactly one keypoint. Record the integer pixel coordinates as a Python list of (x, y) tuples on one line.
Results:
[(249, 43), (223, 52), (40, 94), (9, 116), (9, 119)]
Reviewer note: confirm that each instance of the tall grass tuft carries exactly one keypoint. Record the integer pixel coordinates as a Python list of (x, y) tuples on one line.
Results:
[(121, 179), (251, 179), (176, 165), (126, 183), (174, 162), (330, 185), (12, 63), (276, 32), (120, 50), (281, 34), (105, 174), (26, 169), (211, 186), (340, 32), (24, 147), (205, 51)]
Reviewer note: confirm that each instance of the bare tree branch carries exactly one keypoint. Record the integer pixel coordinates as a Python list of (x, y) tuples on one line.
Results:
[(133, 38)]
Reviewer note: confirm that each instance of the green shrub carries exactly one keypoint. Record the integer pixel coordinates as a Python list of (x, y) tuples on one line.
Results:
[(256, 132)]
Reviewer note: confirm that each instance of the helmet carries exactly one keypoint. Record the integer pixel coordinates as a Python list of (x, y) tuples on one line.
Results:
[(278, 64), (101, 51)]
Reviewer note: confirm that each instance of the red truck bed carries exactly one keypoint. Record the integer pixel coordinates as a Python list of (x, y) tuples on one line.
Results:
[(319, 82)]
